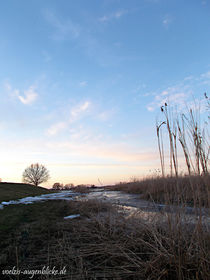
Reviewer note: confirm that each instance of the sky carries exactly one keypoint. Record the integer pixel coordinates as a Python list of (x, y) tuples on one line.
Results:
[(82, 82)]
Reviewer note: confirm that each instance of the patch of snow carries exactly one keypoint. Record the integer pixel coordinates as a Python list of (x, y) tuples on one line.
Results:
[(63, 195), (72, 216)]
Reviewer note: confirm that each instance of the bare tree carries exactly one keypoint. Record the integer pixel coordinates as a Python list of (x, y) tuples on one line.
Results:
[(36, 174)]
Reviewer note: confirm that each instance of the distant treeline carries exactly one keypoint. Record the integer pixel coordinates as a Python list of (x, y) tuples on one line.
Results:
[(59, 186)]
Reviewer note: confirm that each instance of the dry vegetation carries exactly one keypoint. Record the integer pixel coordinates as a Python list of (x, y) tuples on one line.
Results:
[(189, 190), (11, 191), (102, 244), (186, 130), (81, 189)]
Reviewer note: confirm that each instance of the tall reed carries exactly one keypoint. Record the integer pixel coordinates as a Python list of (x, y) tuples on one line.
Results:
[(192, 137)]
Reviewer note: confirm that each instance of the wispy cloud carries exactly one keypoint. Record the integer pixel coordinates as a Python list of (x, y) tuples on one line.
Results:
[(57, 127), (63, 28), (83, 84), (28, 97), (103, 150), (80, 134), (116, 15), (181, 94), (76, 113), (188, 78), (79, 110), (205, 78), (176, 95), (106, 115), (167, 20)]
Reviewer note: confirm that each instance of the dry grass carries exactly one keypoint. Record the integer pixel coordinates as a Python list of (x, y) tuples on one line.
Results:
[(11, 191), (104, 244), (191, 190), (81, 189)]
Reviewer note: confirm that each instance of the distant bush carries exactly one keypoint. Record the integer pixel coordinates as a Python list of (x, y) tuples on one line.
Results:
[(68, 186), (59, 186)]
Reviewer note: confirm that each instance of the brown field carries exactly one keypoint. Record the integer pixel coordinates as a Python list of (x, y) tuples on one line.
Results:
[(101, 243)]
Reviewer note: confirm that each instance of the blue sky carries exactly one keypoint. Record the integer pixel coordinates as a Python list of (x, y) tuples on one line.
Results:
[(81, 83)]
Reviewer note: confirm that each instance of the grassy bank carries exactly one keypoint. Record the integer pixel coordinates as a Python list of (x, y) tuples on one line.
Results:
[(192, 190), (101, 244), (12, 191)]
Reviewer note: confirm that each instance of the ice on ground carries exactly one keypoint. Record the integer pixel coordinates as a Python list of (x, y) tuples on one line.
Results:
[(131, 204), (63, 195), (72, 216)]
